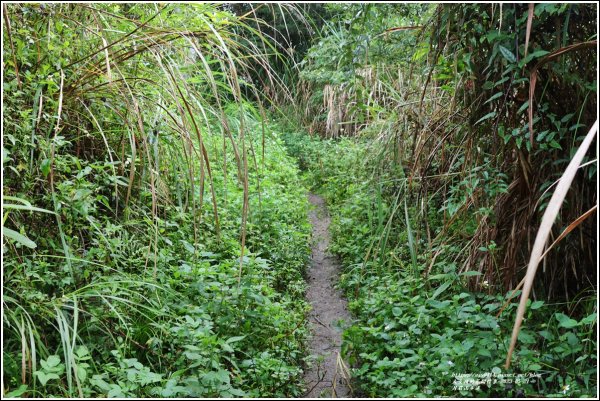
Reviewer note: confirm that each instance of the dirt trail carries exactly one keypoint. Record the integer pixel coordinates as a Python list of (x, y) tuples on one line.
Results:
[(328, 376)]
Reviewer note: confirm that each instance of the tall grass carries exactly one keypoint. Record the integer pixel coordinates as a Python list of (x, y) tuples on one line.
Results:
[(543, 234), (132, 90), (462, 146)]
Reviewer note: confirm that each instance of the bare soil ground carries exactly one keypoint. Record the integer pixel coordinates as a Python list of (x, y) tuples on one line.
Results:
[(328, 376)]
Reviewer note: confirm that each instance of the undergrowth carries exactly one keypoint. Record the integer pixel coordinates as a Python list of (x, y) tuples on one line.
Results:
[(155, 231), (111, 330), (419, 331)]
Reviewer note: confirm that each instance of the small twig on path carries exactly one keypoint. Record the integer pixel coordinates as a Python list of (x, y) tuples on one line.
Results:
[(321, 323), (316, 384)]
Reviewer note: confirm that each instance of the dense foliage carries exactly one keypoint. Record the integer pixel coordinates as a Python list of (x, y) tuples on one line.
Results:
[(439, 193), (415, 335), (132, 176), (446, 88), (155, 232)]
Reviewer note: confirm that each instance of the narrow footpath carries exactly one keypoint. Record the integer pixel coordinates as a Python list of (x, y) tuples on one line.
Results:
[(329, 375)]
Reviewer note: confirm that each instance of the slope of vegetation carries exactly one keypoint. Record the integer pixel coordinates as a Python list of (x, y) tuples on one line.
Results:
[(149, 170), (156, 160)]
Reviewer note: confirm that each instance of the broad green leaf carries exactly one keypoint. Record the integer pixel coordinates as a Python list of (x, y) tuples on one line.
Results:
[(45, 167), (496, 96), (536, 305), (565, 321), (526, 338), (491, 35), (441, 289), (531, 56), (488, 322), (189, 247), (20, 238), (571, 338), (593, 318), (501, 81), (18, 392), (523, 107), (440, 276), (115, 392), (81, 373), (44, 377), (507, 54), (235, 339), (484, 352), (52, 361)]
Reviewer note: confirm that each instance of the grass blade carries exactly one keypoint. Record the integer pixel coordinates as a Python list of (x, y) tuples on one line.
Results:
[(544, 231)]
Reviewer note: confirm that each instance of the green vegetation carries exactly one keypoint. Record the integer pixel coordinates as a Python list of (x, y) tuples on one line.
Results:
[(438, 186), (193, 330), (131, 281), (415, 333), (156, 160)]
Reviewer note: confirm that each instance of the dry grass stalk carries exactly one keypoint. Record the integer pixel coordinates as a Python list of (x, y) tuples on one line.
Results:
[(544, 231)]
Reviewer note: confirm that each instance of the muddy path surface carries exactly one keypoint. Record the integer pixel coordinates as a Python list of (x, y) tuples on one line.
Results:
[(328, 376)]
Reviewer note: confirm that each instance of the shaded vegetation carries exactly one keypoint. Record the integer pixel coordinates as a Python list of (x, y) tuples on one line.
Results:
[(414, 334), (156, 160)]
